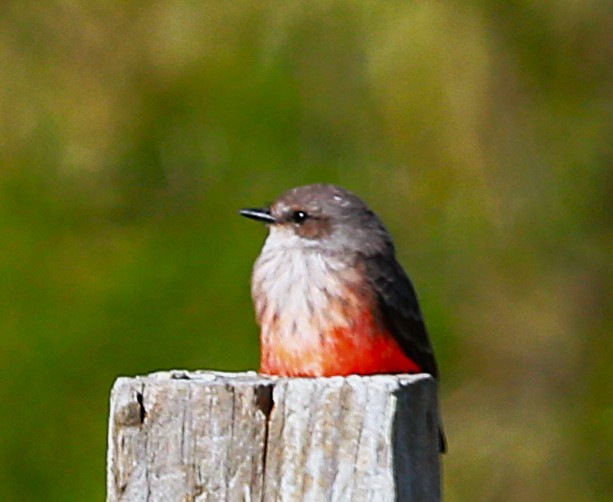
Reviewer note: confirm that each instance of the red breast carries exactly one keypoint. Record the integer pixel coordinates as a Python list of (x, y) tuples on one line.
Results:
[(358, 346)]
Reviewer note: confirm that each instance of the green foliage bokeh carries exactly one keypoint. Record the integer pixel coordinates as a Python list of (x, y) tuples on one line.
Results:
[(131, 133)]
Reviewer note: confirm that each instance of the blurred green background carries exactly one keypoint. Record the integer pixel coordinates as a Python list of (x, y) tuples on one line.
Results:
[(132, 132)]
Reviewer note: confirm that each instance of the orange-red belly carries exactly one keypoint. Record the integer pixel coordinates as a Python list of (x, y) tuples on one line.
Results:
[(361, 348)]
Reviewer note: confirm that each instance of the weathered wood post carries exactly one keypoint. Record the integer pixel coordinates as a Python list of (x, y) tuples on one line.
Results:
[(211, 436)]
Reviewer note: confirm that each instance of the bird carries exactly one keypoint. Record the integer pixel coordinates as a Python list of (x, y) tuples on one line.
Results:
[(330, 296)]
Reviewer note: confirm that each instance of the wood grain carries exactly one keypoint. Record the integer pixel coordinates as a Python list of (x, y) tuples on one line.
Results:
[(210, 436)]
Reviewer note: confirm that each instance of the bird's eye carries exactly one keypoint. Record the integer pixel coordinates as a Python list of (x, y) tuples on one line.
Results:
[(299, 216)]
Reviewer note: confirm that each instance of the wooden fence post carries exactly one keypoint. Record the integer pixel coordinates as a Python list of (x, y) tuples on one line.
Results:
[(208, 436)]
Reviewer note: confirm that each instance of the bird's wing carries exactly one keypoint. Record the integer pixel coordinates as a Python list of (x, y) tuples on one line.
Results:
[(399, 308), (401, 314)]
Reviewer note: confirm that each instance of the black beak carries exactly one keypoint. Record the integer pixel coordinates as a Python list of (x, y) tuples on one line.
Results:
[(259, 215)]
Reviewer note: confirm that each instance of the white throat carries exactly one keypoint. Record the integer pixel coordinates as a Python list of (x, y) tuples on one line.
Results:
[(293, 280)]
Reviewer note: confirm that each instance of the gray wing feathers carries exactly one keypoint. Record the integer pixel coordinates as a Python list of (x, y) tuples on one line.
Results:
[(400, 310)]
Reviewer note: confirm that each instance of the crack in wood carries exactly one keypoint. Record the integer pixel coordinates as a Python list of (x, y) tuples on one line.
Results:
[(264, 402), (141, 405)]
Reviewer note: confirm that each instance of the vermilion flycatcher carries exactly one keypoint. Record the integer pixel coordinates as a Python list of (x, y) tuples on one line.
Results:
[(329, 295)]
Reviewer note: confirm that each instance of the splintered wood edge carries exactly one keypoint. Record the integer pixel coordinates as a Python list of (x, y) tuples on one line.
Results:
[(251, 377)]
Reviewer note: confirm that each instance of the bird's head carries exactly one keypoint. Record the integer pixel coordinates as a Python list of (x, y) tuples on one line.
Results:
[(324, 218)]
